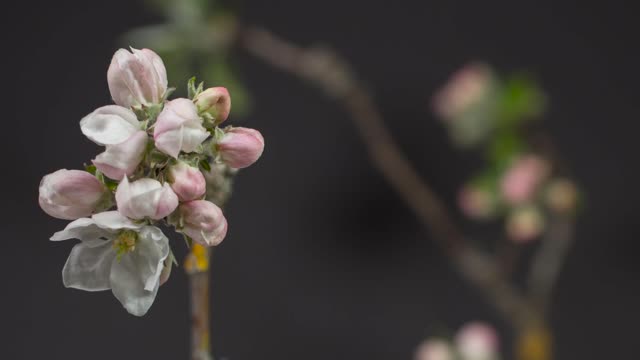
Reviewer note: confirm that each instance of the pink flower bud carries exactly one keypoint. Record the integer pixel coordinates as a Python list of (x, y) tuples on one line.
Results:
[(522, 179), (240, 147), (215, 101), (203, 221), (187, 181), (468, 86), (434, 349), (145, 198), (525, 224), (137, 77), (71, 194), (179, 128), (477, 341), (122, 159)]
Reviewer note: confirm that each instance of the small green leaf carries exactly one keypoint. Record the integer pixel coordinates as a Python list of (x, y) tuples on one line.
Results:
[(204, 164), (504, 146), (91, 169), (520, 100), (110, 184)]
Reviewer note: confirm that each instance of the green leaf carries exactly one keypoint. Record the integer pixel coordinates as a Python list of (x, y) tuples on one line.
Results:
[(91, 169), (110, 184), (204, 164), (504, 146), (520, 99)]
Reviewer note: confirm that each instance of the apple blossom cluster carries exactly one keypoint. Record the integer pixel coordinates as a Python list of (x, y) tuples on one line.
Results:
[(473, 341), (518, 182), (163, 161)]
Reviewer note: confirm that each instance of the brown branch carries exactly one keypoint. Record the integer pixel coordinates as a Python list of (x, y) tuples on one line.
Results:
[(548, 261), (325, 69)]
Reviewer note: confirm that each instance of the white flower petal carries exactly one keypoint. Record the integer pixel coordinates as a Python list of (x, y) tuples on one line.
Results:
[(84, 229), (113, 220), (135, 277), (170, 142), (109, 125), (145, 198), (122, 159), (88, 266), (192, 136)]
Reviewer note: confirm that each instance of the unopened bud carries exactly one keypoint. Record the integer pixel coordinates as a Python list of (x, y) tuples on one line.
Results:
[(216, 102)]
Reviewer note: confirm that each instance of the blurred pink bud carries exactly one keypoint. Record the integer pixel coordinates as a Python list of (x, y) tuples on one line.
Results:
[(477, 341), (187, 181), (476, 202), (71, 194), (204, 222), (525, 224), (179, 128), (434, 349), (215, 101), (145, 198), (122, 159), (465, 88), (561, 196), (240, 147), (521, 180), (136, 78)]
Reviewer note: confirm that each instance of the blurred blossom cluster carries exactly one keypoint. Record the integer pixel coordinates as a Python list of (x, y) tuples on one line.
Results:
[(164, 162), (519, 181), (474, 341)]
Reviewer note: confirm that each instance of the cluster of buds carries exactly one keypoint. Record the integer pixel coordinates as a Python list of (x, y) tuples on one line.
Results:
[(158, 157), (525, 193), (481, 109), (474, 341)]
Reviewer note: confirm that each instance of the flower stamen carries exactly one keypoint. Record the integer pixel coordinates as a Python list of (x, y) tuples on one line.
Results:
[(125, 242)]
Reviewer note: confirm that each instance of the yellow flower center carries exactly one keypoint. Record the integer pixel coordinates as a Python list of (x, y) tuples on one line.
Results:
[(125, 242)]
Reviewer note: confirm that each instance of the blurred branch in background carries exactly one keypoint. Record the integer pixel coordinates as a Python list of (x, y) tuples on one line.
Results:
[(520, 184), (509, 162), (325, 69)]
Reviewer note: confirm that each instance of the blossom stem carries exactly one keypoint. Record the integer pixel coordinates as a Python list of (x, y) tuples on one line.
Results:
[(197, 268)]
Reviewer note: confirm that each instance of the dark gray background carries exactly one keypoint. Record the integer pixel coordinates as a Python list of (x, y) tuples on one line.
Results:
[(322, 260)]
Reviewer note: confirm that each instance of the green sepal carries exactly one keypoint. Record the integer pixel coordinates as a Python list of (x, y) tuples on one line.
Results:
[(192, 90), (168, 93)]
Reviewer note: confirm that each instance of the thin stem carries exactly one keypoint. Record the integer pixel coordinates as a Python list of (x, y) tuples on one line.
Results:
[(548, 261), (197, 268), (325, 69)]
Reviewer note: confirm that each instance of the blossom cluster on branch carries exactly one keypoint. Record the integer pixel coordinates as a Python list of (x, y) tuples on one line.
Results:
[(520, 180), (163, 161)]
